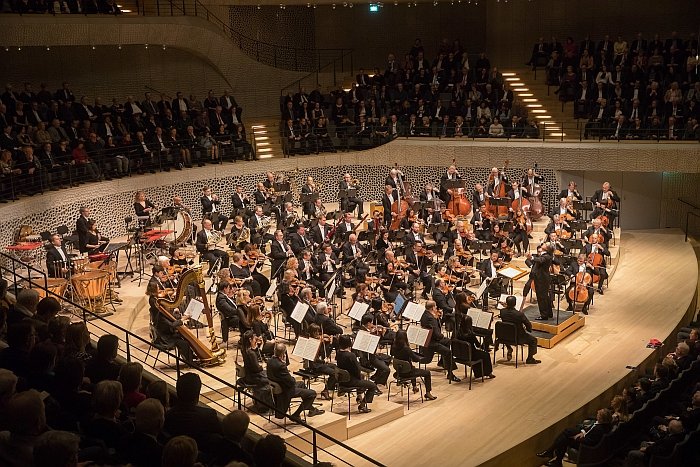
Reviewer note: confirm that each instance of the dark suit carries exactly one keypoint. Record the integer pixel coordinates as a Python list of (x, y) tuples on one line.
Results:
[(347, 361), (360, 267), (218, 220), (591, 437), (540, 274), (278, 256), (210, 255), (523, 327), (437, 343), (598, 198), (350, 203), (278, 372), (141, 450), (319, 233), (197, 422), (299, 243), (240, 206), (81, 227), (229, 314), (54, 261)]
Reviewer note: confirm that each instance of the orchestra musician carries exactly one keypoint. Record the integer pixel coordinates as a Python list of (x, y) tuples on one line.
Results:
[(142, 206), (598, 229), (327, 263), (571, 192), (444, 300), (378, 362), (450, 175), (401, 350), (279, 252), (388, 199), (309, 188), (565, 210), (270, 180), (344, 227), (605, 202), (206, 245), (228, 309), (420, 260), (353, 252), (393, 181), (375, 226), (594, 248), (166, 329), (179, 205), (243, 276), (540, 274), (438, 343), (96, 243), (288, 219), (465, 332), (211, 210), (308, 272), (349, 203), (382, 244), (258, 225), (519, 233), (58, 263), (429, 194), (495, 179), (557, 246), (560, 226), (478, 197), (318, 209), (262, 197), (481, 220), (255, 375), (259, 323), (413, 235), (488, 269), (235, 234), (501, 241), (523, 328), (582, 267), (300, 241), (320, 232), (347, 360), (531, 178), (516, 192), (240, 203), (393, 275), (320, 366), (255, 261), (81, 228), (243, 301)]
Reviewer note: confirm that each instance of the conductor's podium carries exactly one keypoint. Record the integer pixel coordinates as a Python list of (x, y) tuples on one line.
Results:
[(553, 330)]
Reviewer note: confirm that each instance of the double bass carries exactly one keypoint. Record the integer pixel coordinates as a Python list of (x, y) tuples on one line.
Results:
[(502, 192), (536, 210), (401, 206), (459, 205), (167, 306)]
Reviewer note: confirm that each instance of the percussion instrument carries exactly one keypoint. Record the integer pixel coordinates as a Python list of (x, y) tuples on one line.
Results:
[(179, 228), (56, 285), (80, 263), (91, 289)]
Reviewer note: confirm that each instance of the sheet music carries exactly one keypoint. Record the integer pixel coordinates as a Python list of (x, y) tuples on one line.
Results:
[(273, 287), (510, 272), (417, 335), (413, 311), (502, 300), (366, 342), (194, 309), (299, 312), (306, 348), (331, 289), (358, 310), (480, 319), (482, 287)]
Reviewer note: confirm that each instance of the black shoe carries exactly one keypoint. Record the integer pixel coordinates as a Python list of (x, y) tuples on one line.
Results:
[(584, 311), (541, 318), (378, 392), (453, 378), (325, 395), (295, 418), (544, 454), (569, 308), (364, 409), (430, 397), (509, 355), (554, 463), (314, 411), (600, 291), (491, 376), (533, 361)]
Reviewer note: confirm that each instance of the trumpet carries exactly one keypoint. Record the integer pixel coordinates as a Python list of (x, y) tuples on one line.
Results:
[(355, 182)]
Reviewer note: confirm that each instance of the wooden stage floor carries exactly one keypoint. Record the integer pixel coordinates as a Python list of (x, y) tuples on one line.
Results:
[(656, 276)]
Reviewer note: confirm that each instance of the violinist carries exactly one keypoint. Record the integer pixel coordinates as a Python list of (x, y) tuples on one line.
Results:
[(228, 309), (259, 323), (501, 241), (489, 270), (409, 219), (378, 362), (309, 188), (595, 258), (242, 275), (243, 300), (458, 242), (353, 254), (605, 202), (325, 321), (478, 197), (580, 267), (444, 300), (319, 366), (300, 241), (350, 202), (466, 333), (453, 268), (571, 192), (388, 199), (159, 280), (438, 342), (166, 329), (308, 272), (419, 261), (306, 297), (255, 260), (598, 229), (450, 175), (482, 224), (393, 274), (382, 245), (171, 272), (531, 178), (560, 226), (402, 350), (519, 233), (413, 235), (463, 301), (327, 263)]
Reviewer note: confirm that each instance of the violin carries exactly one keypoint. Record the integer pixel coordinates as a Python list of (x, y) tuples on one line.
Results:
[(425, 254)]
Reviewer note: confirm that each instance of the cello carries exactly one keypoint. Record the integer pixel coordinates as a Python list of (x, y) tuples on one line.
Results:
[(403, 203), (498, 211), (595, 260), (579, 293), (536, 206), (459, 205)]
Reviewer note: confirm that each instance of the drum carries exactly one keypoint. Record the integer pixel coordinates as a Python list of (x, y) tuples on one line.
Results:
[(79, 264), (91, 288), (181, 225), (56, 285), (108, 266)]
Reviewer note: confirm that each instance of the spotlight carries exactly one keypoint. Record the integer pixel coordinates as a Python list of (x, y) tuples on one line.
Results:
[(163, 46), (351, 5), (119, 47), (93, 47), (19, 49), (146, 45), (48, 48), (259, 7), (308, 5), (7, 49), (333, 6)]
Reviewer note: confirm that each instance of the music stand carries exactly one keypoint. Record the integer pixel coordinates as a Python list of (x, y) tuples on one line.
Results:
[(283, 198), (573, 244), (281, 187), (332, 215), (421, 205), (347, 193), (396, 235), (557, 282), (308, 197), (501, 202), (479, 245), (452, 184)]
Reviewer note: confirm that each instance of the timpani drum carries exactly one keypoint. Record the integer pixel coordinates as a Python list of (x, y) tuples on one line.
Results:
[(91, 288), (57, 285)]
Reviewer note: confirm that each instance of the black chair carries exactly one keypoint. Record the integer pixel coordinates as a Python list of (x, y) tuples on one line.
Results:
[(403, 379), (598, 455), (342, 377), (507, 333), (685, 453), (276, 391), (159, 344), (462, 354), (243, 387)]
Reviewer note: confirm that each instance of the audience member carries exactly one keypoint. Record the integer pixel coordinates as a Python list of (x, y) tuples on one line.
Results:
[(143, 447)]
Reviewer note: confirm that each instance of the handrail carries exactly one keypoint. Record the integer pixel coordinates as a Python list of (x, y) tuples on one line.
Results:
[(130, 339), (294, 85), (279, 56), (693, 205)]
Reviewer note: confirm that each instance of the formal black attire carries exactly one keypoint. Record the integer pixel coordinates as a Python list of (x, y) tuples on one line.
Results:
[(278, 256), (196, 421), (599, 271), (299, 243), (311, 277), (210, 210), (408, 355), (523, 328), (240, 205), (486, 368), (540, 274), (81, 227), (308, 207), (591, 437), (489, 270), (252, 285), (572, 271), (438, 343), (347, 361), (350, 203), (360, 267), (598, 198), (278, 372), (56, 259), (166, 331), (444, 195), (256, 375), (210, 255), (229, 314)]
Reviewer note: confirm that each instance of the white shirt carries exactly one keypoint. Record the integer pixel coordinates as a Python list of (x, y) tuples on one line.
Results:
[(494, 273), (183, 106), (60, 252), (213, 205)]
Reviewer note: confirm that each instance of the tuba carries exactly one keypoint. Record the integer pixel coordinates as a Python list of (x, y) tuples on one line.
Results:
[(168, 305)]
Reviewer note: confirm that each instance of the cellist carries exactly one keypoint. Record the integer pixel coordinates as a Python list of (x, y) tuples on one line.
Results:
[(595, 258), (605, 202), (579, 267)]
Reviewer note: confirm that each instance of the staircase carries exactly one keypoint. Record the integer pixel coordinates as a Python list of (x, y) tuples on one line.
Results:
[(265, 132), (540, 104)]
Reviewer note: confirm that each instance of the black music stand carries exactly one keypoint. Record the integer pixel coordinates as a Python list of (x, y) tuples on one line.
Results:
[(501, 202), (452, 184), (396, 235), (283, 198), (308, 197), (420, 206), (281, 187), (585, 206), (557, 287), (332, 215), (478, 245), (573, 244)]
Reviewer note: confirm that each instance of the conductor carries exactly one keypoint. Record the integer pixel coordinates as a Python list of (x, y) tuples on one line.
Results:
[(541, 265)]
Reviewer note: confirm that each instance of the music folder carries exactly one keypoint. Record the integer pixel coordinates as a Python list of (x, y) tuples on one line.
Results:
[(480, 319), (418, 336), (194, 309), (306, 348), (519, 300), (413, 311), (358, 310), (365, 342), (299, 312)]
